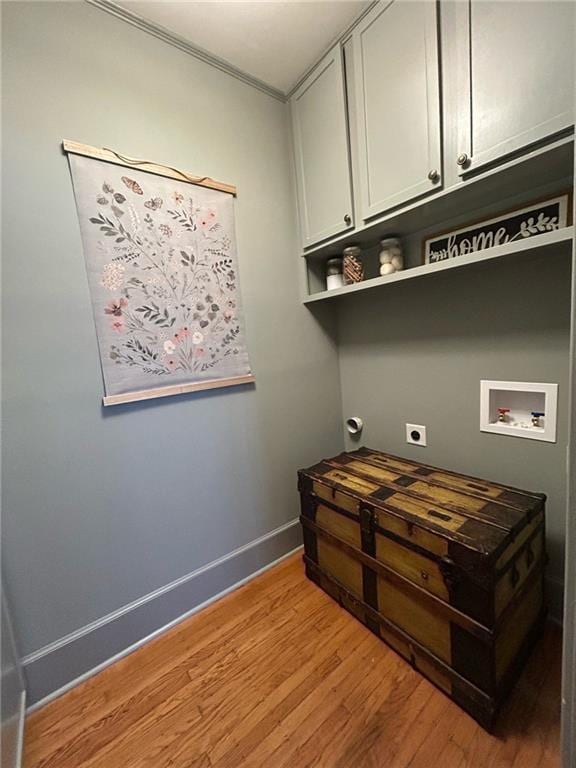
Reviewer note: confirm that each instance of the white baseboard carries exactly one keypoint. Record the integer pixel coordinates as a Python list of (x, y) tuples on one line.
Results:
[(60, 666), (21, 725)]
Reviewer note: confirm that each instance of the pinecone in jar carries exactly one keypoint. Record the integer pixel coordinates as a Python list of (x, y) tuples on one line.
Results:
[(353, 267)]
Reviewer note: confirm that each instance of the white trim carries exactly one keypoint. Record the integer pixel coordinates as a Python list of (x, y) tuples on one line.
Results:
[(160, 630), (21, 723), (555, 601), (156, 30), (340, 39), (568, 720), (164, 34), (102, 621)]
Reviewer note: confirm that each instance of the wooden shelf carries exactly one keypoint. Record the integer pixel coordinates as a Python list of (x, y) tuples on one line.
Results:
[(560, 240)]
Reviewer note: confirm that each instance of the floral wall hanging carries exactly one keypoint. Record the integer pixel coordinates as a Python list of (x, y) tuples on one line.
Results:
[(163, 275)]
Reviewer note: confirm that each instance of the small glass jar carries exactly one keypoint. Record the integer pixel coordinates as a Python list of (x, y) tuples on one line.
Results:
[(391, 256), (353, 266), (334, 274)]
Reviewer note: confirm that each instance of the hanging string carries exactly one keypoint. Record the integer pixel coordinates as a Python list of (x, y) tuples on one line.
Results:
[(132, 161)]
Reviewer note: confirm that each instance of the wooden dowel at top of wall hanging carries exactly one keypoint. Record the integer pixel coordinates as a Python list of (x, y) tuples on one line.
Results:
[(110, 156)]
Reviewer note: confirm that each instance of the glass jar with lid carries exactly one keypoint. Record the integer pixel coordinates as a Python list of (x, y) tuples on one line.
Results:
[(391, 255), (334, 273), (353, 266)]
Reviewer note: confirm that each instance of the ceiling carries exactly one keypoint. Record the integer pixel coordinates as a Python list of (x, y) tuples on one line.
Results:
[(274, 41)]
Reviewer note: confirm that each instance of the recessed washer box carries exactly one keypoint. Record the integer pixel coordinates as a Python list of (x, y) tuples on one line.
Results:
[(519, 400)]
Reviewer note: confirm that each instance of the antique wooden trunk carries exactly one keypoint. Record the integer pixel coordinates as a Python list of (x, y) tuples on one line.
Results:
[(447, 569)]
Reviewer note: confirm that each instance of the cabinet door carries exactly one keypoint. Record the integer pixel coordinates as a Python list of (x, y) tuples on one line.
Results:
[(322, 152), (515, 64), (398, 104)]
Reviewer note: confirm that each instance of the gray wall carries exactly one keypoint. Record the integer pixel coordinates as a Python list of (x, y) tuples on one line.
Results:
[(116, 522), (417, 354), (103, 507)]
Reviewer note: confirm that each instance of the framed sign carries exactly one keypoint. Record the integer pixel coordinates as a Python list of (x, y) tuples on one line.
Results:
[(530, 221)]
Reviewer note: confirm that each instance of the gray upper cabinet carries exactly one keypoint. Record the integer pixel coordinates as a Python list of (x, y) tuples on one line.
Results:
[(515, 67), (396, 70), (322, 153)]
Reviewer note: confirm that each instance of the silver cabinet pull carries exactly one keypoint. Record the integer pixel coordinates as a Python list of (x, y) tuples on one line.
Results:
[(462, 159), (347, 219), (434, 175)]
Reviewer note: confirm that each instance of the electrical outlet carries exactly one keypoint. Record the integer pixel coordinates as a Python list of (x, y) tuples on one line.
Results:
[(416, 434)]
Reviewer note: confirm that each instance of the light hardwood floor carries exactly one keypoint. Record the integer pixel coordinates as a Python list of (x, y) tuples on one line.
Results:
[(277, 675)]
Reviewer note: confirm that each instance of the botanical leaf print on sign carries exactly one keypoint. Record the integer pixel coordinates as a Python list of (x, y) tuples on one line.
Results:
[(161, 261)]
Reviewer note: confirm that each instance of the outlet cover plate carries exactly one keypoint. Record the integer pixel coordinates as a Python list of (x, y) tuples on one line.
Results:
[(420, 429)]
